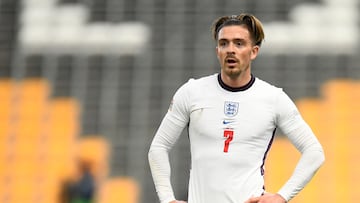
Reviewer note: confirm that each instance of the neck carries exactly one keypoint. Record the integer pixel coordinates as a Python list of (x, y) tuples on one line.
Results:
[(236, 81), (236, 88)]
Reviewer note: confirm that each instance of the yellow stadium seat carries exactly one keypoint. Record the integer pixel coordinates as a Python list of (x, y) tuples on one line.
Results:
[(119, 189), (5, 129), (312, 112), (338, 93), (6, 88), (27, 129), (32, 98), (60, 148), (22, 191), (24, 169), (7, 92), (95, 150), (38, 141), (63, 118), (26, 149)]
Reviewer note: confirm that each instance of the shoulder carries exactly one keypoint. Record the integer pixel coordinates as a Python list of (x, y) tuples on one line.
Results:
[(267, 88), (195, 89), (206, 80), (270, 94), (199, 84), (191, 91)]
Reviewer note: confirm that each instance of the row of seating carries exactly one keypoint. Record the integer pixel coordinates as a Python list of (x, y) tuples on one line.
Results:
[(40, 147), (335, 120)]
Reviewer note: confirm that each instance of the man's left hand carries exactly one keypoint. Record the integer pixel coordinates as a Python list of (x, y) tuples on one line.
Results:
[(267, 198)]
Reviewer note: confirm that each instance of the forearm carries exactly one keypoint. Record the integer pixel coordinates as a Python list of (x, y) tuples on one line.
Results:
[(311, 159), (160, 169), (306, 168), (165, 138)]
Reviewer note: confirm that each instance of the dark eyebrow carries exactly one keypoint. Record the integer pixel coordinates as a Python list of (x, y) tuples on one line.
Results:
[(235, 39), (239, 39)]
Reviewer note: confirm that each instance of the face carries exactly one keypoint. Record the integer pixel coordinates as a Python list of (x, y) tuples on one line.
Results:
[(235, 50)]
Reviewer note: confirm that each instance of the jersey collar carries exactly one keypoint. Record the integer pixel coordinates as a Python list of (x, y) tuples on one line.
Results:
[(235, 89)]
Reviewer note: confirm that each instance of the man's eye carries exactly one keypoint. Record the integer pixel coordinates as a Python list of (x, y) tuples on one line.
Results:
[(222, 44)]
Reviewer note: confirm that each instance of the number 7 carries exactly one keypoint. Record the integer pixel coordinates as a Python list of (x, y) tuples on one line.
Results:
[(229, 134)]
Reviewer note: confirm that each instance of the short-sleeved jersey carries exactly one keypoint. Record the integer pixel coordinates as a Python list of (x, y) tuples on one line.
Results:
[(230, 132)]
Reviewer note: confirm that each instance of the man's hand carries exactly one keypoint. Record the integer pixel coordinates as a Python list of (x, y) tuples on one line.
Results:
[(267, 198), (177, 201)]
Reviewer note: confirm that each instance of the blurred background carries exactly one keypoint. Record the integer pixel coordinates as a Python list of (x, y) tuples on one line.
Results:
[(84, 85)]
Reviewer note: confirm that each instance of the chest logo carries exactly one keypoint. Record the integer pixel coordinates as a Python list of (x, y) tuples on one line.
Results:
[(231, 108)]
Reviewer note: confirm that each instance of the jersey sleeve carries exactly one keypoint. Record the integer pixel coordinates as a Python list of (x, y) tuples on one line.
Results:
[(166, 136), (302, 137)]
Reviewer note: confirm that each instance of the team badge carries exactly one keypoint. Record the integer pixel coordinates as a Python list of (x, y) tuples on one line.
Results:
[(231, 108)]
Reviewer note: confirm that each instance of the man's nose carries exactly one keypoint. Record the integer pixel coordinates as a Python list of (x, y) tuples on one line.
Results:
[(230, 49)]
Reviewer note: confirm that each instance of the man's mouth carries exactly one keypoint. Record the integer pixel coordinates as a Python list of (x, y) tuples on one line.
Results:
[(230, 61)]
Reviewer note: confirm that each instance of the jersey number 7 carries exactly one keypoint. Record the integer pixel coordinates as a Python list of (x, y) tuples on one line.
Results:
[(229, 134)]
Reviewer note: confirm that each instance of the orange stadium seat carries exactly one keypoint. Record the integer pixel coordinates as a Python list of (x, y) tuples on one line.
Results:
[(338, 99), (26, 129), (22, 191), (311, 110), (119, 189), (32, 98), (7, 89), (63, 118), (39, 143), (5, 129), (63, 127), (94, 149), (335, 120)]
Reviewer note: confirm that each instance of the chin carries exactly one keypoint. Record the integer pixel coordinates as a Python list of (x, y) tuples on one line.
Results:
[(232, 73)]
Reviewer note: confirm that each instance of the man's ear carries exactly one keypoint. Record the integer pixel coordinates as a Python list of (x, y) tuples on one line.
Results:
[(217, 51), (254, 52)]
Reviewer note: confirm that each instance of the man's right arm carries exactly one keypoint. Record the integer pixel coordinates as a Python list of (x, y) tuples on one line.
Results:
[(165, 138)]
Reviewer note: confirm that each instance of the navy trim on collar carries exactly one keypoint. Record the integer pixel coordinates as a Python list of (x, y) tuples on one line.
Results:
[(236, 89)]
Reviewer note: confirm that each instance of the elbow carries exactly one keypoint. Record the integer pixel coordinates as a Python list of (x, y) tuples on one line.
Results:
[(315, 156), (319, 157), (151, 153)]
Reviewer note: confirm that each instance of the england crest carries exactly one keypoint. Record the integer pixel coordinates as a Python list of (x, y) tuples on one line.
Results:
[(231, 108)]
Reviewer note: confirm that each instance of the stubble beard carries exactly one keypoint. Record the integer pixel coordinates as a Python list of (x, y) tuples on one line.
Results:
[(234, 72)]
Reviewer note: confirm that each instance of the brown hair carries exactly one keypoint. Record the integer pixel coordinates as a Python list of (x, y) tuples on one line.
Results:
[(249, 21)]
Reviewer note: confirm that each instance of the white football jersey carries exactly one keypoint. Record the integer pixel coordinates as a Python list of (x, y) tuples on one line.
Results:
[(230, 132)]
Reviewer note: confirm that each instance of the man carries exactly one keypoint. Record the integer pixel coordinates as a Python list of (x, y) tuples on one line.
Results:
[(231, 119)]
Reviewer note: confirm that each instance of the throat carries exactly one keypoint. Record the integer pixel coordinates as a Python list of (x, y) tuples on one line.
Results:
[(235, 86)]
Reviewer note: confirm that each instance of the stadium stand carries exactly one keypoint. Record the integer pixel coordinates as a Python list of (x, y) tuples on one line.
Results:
[(121, 96), (334, 118), (119, 189), (40, 144)]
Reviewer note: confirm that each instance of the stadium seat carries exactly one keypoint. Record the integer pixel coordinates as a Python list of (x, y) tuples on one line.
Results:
[(7, 87), (32, 97), (311, 111), (63, 118), (119, 189), (337, 127), (94, 149), (338, 93), (22, 191)]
